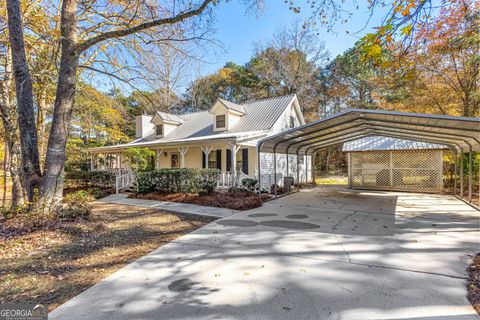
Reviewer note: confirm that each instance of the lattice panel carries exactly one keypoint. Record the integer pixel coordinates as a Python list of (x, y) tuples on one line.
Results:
[(413, 170)]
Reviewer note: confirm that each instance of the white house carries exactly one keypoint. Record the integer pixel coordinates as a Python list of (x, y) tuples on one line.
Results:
[(225, 137)]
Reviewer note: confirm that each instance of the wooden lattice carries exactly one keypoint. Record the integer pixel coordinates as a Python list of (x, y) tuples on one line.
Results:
[(412, 170)]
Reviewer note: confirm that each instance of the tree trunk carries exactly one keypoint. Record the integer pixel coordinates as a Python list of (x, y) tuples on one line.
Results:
[(51, 188), (42, 110), (5, 169), (15, 165), (23, 86)]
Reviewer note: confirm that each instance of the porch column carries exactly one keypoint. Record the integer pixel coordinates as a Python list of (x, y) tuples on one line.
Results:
[(206, 150), (92, 161), (183, 153), (117, 158), (235, 149), (158, 154)]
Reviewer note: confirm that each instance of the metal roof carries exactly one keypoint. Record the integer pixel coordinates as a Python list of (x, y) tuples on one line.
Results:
[(454, 132), (259, 117), (381, 143), (169, 117), (232, 106)]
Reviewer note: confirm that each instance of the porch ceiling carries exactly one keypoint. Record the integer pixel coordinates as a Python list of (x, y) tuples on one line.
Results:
[(453, 132)]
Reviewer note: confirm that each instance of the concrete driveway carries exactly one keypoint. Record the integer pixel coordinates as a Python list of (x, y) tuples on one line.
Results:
[(321, 254)]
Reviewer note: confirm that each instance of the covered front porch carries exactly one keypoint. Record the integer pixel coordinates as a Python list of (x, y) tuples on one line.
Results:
[(234, 160)]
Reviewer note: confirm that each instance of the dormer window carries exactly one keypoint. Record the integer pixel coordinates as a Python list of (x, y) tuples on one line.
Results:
[(159, 130), (220, 121), (292, 122)]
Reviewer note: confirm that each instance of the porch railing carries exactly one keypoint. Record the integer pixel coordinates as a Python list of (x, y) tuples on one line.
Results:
[(124, 180), (230, 179)]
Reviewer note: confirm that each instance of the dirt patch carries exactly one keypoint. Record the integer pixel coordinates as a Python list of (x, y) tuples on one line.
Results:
[(52, 266), (474, 283), (234, 201)]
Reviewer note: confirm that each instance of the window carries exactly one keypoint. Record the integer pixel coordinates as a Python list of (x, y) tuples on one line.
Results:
[(175, 160), (239, 160), (212, 160), (220, 121), (292, 121), (159, 129)]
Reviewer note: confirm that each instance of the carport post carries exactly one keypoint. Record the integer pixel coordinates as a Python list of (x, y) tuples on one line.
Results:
[(455, 169), (298, 171), (306, 167), (287, 164), (275, 171), (470, 174), (461, 173), (349, 170), (312, 172), (258, 170)]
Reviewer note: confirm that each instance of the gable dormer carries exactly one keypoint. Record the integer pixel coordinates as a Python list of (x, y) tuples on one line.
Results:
[(165, 123), (226, 114)]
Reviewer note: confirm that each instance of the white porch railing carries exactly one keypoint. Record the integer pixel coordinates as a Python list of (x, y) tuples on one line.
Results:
[(230, 179), (124, 180)]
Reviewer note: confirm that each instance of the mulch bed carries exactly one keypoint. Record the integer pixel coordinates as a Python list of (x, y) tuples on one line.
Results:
[(54, 264), (234, 201), (474, 283)]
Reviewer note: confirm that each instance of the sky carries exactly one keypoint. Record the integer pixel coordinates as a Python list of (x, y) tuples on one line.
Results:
[(238, 30)]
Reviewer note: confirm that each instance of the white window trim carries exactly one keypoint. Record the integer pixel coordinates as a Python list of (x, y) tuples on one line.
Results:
[(163, 130), (225, 120)]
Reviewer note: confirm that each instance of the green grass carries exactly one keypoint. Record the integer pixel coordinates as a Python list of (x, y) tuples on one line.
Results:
[(332, 180)]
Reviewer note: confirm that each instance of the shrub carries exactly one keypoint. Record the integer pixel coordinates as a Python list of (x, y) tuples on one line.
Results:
[(249, 183), (140, 159), (201, 181), (9, 213), (75, 205), (86, 179)]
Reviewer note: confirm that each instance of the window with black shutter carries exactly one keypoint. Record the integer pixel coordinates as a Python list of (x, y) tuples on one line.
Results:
[(229, 160), (219, 159), (245, 161)]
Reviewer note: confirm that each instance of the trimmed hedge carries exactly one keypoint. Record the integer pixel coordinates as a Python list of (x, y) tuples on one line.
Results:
[(87, 179), (201, 181)]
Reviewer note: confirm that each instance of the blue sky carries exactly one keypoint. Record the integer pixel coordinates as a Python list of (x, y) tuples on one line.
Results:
[(238, 31)]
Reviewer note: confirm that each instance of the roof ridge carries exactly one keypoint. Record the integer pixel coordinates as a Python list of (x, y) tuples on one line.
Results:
[(265, 99)]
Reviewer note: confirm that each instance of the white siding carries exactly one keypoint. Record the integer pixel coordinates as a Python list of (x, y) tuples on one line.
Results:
[(283, 122), (267, 169)]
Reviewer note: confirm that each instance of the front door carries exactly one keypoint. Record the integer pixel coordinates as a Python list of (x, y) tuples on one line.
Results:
[(175, 160)]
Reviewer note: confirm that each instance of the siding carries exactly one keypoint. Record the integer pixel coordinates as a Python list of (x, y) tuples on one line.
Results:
[(267, 169)]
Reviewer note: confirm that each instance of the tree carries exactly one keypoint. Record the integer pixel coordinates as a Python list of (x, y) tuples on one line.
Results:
[(23, 87), (441, 72), (8, 114), (130, 21)]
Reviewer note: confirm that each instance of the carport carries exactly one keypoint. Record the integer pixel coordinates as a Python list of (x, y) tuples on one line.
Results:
[(460, 134)]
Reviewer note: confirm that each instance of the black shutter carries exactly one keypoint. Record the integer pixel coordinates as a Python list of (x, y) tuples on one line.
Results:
[(245, 161), (229, 160), (219, 159), (203, 160)]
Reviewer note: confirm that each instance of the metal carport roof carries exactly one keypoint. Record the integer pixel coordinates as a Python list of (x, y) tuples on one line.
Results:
[(455, 132)]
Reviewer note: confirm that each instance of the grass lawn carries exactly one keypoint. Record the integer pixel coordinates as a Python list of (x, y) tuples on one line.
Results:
[(332, 180), (52, 266)]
